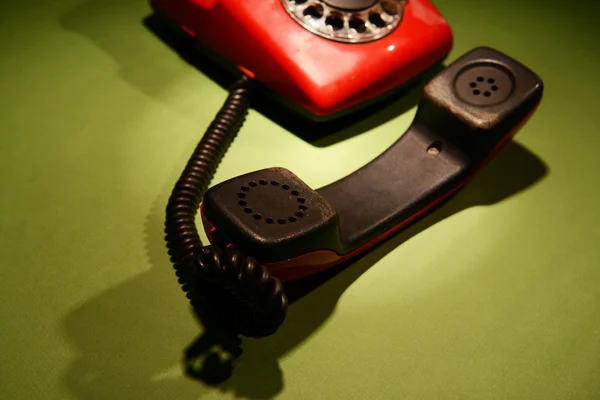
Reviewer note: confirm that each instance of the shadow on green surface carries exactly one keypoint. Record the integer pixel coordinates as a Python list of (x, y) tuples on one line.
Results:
[(129, 335), (313, 300)]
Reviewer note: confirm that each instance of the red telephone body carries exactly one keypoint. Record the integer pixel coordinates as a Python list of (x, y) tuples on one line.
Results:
[(321, 76)]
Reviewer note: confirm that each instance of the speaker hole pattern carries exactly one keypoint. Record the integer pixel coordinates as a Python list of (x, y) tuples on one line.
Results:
[(269, 220), (487, 89)]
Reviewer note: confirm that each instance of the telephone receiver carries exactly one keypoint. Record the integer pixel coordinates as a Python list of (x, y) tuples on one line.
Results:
[(268, 226), (325, 59), (467, 113)]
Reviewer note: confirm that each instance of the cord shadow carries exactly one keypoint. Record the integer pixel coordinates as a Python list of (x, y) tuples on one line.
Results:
[(313, 299), (129, 338)]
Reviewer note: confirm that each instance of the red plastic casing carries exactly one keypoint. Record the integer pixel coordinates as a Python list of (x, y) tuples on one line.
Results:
[(322, 76)]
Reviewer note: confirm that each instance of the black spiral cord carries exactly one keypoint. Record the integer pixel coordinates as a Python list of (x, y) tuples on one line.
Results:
[(239, 292)]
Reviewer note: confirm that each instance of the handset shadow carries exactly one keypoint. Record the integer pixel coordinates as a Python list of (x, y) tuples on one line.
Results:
[(257, 374)]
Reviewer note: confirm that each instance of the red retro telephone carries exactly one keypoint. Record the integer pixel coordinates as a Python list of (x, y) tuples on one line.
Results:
[(322, 58), (267, 227)]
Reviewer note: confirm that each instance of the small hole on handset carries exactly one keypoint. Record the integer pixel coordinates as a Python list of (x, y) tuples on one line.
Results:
[(491, 80), (494, 88), (300, 200), (281, 221), (473, 84), (241, 195), (248, 210), (285, 187), (292, 219), (257, 217), (480, 79), (487, 94), (274, 183), (434, 148), (299, 214), (269, 220), (295, 193), (315, 11), (242, 203), (245, 188), (476, 92), (263, 182), (298, 1), (302, 207), (358, 25), (376, 20), (253, 184)]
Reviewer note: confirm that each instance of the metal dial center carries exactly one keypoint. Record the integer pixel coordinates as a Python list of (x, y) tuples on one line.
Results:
[(351, 5)]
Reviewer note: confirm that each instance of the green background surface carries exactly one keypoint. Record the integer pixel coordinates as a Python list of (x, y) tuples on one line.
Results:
[(494, 296)]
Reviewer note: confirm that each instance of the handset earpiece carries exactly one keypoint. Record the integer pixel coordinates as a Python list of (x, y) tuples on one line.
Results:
[(467, 113)]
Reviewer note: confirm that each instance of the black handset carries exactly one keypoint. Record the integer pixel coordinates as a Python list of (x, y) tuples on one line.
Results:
[(467, 113)]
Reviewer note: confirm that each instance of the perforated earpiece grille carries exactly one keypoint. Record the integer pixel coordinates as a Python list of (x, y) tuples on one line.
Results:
[(294, 210)]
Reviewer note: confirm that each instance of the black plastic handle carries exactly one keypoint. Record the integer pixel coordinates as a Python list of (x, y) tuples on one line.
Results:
[(468, 110), (467, 113), (412, 173)]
